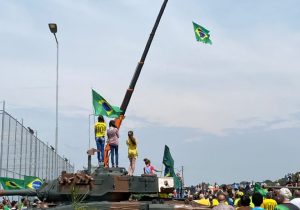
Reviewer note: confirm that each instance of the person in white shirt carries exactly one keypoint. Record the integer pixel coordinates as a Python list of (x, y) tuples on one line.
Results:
[(296, 200)]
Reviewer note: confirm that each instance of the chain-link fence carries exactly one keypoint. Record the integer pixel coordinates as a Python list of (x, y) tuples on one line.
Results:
[(22, 153)]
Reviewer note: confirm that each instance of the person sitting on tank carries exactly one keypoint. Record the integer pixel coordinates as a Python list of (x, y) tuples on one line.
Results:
[(149, 169)]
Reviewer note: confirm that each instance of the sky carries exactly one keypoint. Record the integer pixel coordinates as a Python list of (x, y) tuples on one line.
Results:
[(229, 111)]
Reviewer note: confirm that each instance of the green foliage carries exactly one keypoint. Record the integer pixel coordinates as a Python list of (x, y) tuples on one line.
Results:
[(77, 199)]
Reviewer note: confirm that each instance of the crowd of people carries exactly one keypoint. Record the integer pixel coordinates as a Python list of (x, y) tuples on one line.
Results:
[(23, 204), (247, 198)]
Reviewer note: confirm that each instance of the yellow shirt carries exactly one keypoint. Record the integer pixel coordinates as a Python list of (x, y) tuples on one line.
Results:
[(269, 204), (215, 202), (100, 128), (132, 149), (203, 201)]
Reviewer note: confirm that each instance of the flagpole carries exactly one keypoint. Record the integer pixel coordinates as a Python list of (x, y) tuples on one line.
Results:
[(162, 169)]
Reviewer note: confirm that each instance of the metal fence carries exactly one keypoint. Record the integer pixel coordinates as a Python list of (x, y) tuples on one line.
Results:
[(22, 153)]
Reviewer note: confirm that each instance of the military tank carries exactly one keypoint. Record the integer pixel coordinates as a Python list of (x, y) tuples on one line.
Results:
[(103, 184)]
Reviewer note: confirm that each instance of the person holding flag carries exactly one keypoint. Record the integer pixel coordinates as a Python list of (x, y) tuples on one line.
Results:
[(113, 141), (100, 130), (102, 107)]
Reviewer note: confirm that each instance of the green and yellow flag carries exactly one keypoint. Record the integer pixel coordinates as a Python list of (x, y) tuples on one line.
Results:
[(168, 162), (259, 189), (32, 182), (102, 107), (202, 34), (11, 184)]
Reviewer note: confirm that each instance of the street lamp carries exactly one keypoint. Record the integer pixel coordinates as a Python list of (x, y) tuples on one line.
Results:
[(2, 136), (53, 29), (90, 129)]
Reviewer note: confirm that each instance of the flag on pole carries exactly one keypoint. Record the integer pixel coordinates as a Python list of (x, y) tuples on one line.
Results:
[(102, 107), (11, 184), (259, 189), (168, 162), (32, 182), (202, 34)]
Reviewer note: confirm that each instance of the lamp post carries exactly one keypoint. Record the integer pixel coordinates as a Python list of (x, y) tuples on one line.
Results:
[(2, 136), (53, 29), (90, 129)]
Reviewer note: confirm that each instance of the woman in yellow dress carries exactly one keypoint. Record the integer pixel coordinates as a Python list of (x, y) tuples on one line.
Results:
[(132, 152)]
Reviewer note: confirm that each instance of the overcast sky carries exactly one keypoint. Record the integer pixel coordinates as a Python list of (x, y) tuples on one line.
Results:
[(229, 111)]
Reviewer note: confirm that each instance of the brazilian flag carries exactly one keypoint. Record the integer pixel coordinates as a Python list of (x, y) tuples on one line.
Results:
[(202, 34), (32, 182), (11, 184), (102, 107)]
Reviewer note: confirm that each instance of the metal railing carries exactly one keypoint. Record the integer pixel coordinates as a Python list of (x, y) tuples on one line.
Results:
[(22, 153)]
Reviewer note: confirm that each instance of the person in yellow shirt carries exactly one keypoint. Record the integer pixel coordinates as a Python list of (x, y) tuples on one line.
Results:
[(132, 152), (269, 203), (100, 130), (202, 200)]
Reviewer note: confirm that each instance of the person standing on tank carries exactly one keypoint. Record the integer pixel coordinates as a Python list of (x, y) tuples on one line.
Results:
[(113, 141), (100, 130), (132, 152)]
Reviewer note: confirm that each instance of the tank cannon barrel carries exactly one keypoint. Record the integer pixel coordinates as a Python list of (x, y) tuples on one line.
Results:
[(27, 192)]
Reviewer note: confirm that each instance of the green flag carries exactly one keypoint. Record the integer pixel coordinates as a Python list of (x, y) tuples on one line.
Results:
[(11, 184), (259, 189), (202, 34), (32, 182), (102, 107), (177, 182), (168, 162)]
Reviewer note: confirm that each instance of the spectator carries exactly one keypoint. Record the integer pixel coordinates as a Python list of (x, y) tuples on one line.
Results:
[(25, 205), (244, 203), (284, 200), (257, 200), (5, 204), (269, 203), (179, 189), (14, 205), (296, 200), (222, 205)]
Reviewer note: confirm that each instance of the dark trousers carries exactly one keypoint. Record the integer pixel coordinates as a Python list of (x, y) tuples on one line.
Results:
[(114, 153)]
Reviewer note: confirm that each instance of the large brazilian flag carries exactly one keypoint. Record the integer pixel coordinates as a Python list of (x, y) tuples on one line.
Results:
[(11, 183), (102, 107)]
